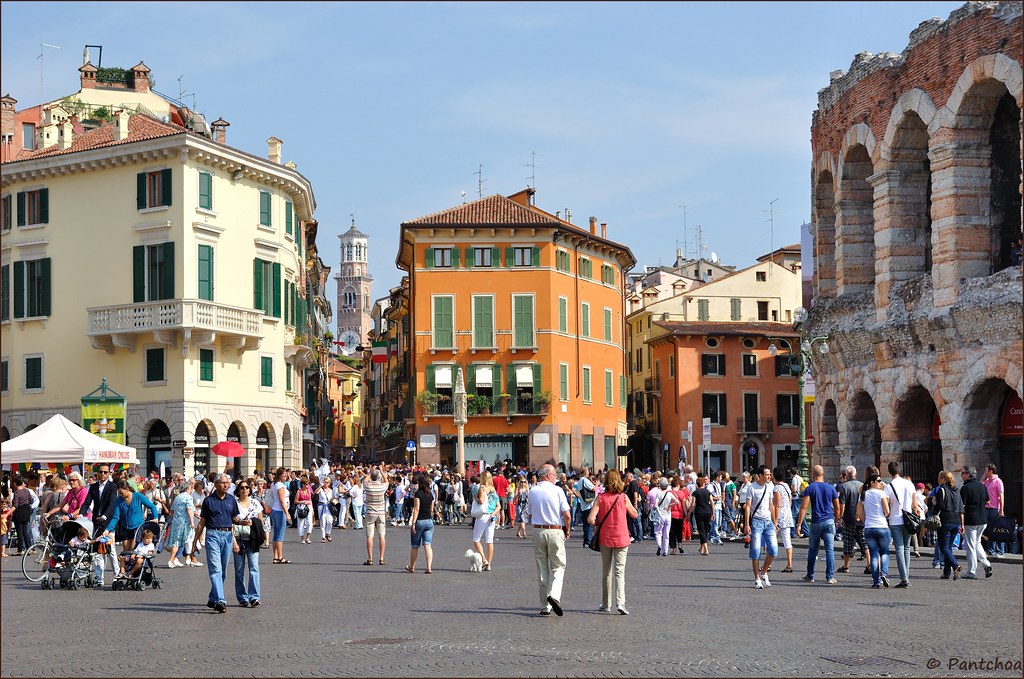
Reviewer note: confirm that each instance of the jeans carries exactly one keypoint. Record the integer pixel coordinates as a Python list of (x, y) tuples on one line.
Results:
[(972, 545), (991, 513), (357, 513), (218, 551), (716, 520), (636, 530), (762, 535), (277, 523), (588, 530), (248, 560), (946, 533), (795, 509), (821, 531), (901, 541), (878, 543)]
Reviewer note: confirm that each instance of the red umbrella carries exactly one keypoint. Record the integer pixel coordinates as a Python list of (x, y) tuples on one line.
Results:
[(229, 449)]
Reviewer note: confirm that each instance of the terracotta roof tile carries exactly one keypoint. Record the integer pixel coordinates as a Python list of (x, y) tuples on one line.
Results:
[(495, 209), (140, 128), (728, 328)]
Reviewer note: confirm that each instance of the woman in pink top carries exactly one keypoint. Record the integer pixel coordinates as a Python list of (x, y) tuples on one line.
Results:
[(77, 490), (610, 512)]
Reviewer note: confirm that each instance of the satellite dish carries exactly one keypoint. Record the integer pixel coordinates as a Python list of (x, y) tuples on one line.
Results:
[(714, 258)]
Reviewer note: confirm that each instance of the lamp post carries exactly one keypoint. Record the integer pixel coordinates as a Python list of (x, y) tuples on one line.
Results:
[(460, 417), (801, 361)]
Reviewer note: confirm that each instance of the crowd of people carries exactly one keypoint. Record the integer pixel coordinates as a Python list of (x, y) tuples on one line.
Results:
[(237, 516)]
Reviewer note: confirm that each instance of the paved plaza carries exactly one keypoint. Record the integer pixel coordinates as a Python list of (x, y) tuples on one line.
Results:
[(328, 615)]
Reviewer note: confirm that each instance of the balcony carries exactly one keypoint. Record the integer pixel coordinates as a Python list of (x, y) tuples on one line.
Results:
[(755, 425), (652, 384), (194, 321)]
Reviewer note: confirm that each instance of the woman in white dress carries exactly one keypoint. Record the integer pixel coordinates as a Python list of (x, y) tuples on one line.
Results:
[(326, 496)]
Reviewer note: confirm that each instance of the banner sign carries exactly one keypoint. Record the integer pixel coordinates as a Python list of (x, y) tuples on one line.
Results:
[(105, 417)]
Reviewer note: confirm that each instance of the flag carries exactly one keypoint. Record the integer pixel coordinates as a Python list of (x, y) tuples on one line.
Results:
[(380, 352), (394, 346)]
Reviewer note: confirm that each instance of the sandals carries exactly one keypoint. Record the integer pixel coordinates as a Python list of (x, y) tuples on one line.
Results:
[(383, 563), (367, 563), (409, 570), (281, 561), (787, 569)]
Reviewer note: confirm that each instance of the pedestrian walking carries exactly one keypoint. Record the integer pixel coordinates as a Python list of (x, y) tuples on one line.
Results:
[(762, 514), (183, 523), (703, 510), (218, 515), (304, 510), (248, 537), (873, 511), (661, 501), (325, 502), (951, 515), (421, 529), (485, 508), (902, 498), (975, 497), (783, 516), (610, 510), (679, 512), (823, 500), (279, 513), (550, 518)]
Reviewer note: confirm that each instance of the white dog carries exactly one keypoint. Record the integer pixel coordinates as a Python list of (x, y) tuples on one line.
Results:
[(476, 561)]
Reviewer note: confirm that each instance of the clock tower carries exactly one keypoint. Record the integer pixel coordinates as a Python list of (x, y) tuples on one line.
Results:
[(354, 283)]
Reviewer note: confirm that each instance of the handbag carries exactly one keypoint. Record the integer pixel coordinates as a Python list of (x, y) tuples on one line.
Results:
[(302, 511), (477, 511), (933, 522), (595, 543), (655, 513), (911, 520)]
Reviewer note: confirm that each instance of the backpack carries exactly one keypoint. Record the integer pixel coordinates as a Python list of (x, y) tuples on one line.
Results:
[(803, 485), (586, 494)]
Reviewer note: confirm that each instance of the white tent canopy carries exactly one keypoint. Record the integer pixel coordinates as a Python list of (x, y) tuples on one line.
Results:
[(61, 441)]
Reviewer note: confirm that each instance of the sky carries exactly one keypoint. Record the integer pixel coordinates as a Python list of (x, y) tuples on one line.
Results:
[(622, 111)]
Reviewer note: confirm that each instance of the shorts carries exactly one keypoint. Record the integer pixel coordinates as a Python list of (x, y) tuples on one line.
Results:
[(852, 538), (277, 522), (423, 533), (374, 522), (483, 529), (785, 539), (121, 533), (762, 532)]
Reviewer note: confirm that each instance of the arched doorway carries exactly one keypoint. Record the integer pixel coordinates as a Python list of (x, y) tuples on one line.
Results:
[(917, 433), (236, 466), (201, 451), (264, 444), (1011, 450), (993, 423), (158, 447)]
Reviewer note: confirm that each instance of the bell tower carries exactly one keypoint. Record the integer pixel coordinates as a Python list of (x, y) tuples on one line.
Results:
[(354, 284)]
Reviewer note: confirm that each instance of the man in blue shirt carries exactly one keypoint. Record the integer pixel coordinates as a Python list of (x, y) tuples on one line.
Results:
[(218, 514), (823, 522)]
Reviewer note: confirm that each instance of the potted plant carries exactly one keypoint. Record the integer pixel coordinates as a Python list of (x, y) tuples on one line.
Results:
[(504, 398), (542, 401), (482, 404), (427, 401)]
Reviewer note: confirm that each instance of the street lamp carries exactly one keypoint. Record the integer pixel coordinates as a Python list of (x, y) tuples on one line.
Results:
[(799, 364)]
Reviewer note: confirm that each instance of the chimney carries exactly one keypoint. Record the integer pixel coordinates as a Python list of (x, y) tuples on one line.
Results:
[(65, 131), (604, 230), (140, 77), (593, 226), (88, 76), (7, 127), (220, 128), (120, 125), (274, 150)]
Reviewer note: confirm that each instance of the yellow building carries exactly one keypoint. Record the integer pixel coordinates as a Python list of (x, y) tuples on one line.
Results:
[(531, 308), (174, 266)]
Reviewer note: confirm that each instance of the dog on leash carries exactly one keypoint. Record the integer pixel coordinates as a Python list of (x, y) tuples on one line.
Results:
[(476, 561)]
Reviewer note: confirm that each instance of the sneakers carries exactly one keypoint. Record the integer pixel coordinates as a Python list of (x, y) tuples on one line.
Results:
[(764, 579), (220, 607), (832, 581), (545, 611), (988, 571), (254, 603), (903, 584), (603, 608), (875, 586), (622, 610), (808, 578), (885, 581), (658, 552), (757, 584), (867, 571)]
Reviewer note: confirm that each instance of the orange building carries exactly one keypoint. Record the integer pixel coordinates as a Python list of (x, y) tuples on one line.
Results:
[(531, 307), (725, 371)]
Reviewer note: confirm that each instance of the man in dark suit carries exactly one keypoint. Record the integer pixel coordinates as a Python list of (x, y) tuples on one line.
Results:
[(100, 498)]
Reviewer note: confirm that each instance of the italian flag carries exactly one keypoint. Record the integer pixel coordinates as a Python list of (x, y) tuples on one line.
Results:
[(380, 352)]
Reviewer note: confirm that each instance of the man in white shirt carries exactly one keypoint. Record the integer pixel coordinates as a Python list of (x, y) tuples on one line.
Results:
[(549, 512), (901, 499), (796, 483), (760, 515)]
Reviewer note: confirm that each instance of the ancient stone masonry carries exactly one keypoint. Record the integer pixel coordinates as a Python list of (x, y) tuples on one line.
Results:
[(916, 214)]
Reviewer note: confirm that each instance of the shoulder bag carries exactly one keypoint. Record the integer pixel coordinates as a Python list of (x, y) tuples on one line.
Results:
[(655, 513), (911, 520), (595, 543)]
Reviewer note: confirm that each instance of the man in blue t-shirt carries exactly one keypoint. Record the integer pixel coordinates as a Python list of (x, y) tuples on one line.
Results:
[(823, 522)]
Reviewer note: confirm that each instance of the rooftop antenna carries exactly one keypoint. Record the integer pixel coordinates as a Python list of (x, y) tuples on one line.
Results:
[(531, 181), (40, 58), (480, 181), (684, 230), (771, 232)]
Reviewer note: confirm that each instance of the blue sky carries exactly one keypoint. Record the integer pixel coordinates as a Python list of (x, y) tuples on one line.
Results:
[(633, 109)]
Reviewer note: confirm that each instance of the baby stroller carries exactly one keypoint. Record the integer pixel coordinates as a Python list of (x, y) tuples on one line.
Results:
[(146, 576), (70, 567)]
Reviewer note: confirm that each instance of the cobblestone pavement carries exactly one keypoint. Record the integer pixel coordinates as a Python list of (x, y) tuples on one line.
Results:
[(328, 615)]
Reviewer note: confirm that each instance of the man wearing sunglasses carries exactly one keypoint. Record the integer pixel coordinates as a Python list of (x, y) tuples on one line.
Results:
[(101, 498)]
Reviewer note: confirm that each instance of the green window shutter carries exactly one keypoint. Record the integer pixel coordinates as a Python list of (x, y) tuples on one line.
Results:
[(167, 284), (471, 379), (702, 310), (563, 314), (206, 190), (265, 208), (563, 382), (165, 186), (535, 256), (44, 206), (495, 257), (277, 290), (140, 191), (139, 273), (510, 257), (608, 325), (428, 258), (586, 385), (206, 365), (585, 320), (5, 292), (510, 382), (536, 378), (470, 258), (295, 302), (608, 393), (288, 376), (21, 208), (734, 303), (429, 378), (288, 217), (266, 371), (206, 272), (45, 287), (483, 323), (19, 289), (443, 331), (257, 283), (287, 303), (455, 257), (622, 391), (154, 365)]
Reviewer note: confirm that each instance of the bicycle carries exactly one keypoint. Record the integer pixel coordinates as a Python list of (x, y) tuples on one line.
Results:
[(35, 562)]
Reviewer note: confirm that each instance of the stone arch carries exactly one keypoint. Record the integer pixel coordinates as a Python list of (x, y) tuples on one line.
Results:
[(286, 446), (854, 213), (863, 435), (914, 413), (980, 434), (915, 101), (204, 438), (157, 435), (237, 431), (976, 159), (824, 234)]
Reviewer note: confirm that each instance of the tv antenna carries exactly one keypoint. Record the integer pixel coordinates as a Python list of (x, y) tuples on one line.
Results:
[(771, 232), (684, 231), (40, 58), (531, 181), (479, 181)]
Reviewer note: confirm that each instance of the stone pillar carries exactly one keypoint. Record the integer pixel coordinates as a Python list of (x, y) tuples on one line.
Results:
[(855, 237), (824, 239)]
